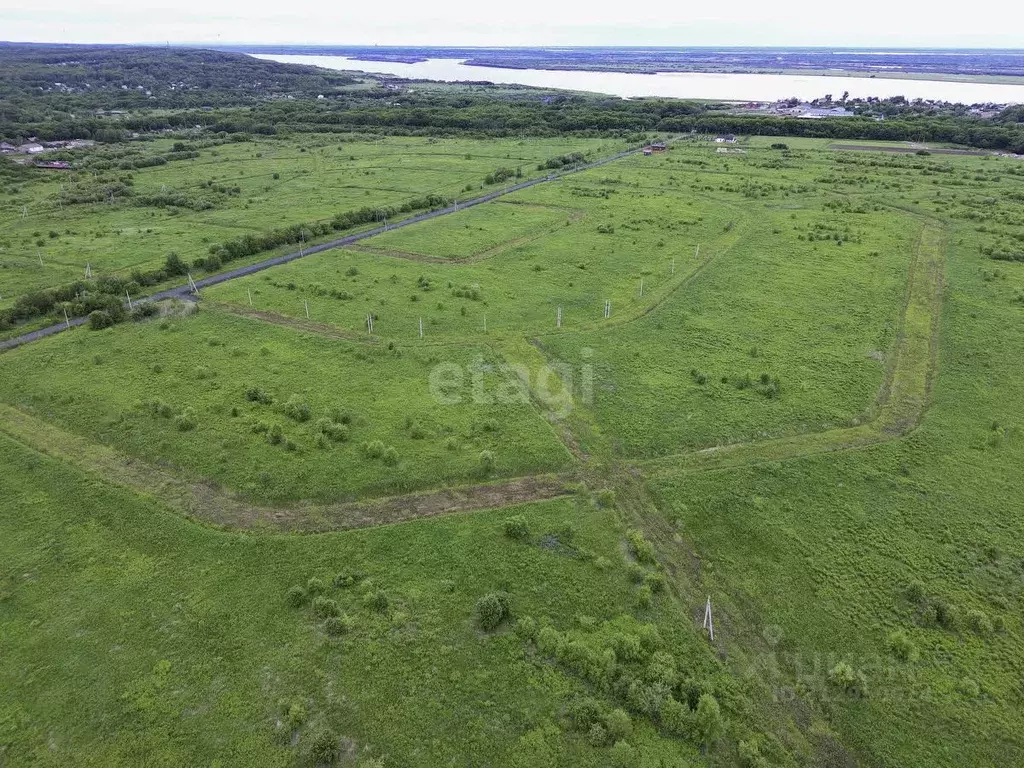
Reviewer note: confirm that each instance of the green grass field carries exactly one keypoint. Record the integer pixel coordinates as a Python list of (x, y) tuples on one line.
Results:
[(813, 421), (47, 240)]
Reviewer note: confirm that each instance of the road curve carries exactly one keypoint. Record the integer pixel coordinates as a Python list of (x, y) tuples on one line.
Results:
[(185, 291)]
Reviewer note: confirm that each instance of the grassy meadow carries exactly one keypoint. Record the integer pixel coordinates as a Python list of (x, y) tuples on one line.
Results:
[(813, 421), (118, 219)]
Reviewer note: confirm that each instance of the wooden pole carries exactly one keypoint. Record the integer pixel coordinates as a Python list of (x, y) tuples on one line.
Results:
[(421, 327), (67, 322), (307, 309), (130, 307), (249, 292)]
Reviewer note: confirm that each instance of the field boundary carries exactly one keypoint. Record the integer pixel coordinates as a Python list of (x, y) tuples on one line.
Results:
[(902, 399), (211, 504)]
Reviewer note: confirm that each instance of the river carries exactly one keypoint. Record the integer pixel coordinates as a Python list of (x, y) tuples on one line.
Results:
[(683, 85)]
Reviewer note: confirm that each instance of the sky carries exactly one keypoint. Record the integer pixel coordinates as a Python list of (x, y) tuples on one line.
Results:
[(867, 23)]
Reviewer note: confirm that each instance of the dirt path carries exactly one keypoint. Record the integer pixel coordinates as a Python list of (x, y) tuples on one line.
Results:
[(216, 506)]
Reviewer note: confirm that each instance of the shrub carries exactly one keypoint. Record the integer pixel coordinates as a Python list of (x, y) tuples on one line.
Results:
[(345, 580), (491, 610), (297, 409), (517, 528), (373, 449), (979, 622), (486, 461), (915, 592), (640, 547), (100, 319), (143, 311), (323, 749), (377, 601), (257, 395), (338, 625), (186, 420), (902, 647), (618, 724), (655, 582), (584, 712), (623, 755), (276, 435), (708, 720), (390, 456), (526, 629), (315, 586), (324, 607), (295, 596), (676, 718), (605, 498), (597, 736), (847, 679), (549, 640)]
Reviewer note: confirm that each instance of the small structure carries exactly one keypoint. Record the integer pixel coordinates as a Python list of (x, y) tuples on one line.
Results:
[(6, 149), (727, 138), (658, 146), (31, 148), (53, 165), (648, 151)]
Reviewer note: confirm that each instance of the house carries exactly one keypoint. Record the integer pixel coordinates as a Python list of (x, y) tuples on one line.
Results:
[(725, 139), (30, 148), (648, 151), (658, 146), (6, 149)]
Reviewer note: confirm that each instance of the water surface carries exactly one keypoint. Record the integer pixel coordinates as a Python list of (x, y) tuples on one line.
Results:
[(683, 85)]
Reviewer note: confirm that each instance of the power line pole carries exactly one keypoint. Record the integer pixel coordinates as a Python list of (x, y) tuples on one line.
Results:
[(709, 623)]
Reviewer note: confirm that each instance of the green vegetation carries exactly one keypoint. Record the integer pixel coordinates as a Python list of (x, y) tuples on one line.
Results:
[(251, 535)]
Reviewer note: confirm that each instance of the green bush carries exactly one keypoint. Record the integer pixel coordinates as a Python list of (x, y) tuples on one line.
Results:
[(584, 712), (315, 586), (486, 462), (186, 420), (323, 749), (390, 456), (979, 622), (257, 395), (623, 755), (373, 449), (517, 528), (491, 610), (378, 601), (100, 319), (641, 549), (605, 498), (295, 596), (338, 625), (324, 607), (276, 435), (619, 725), (597, 736), (902, 647), (676, 718), (297, 409)]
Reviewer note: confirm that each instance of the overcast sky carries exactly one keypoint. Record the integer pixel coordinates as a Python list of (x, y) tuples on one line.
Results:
[(868, 23)]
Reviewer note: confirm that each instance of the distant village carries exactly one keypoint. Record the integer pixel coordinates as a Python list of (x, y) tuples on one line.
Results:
[(33, 151), (823, 108)]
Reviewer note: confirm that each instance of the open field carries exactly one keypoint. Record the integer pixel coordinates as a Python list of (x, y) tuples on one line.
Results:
[(813, 420), (118, 218)]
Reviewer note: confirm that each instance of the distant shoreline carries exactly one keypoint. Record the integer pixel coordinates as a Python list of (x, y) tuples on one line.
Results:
[(941, 65)]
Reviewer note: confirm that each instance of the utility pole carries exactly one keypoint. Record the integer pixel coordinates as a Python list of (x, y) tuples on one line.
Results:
[(249, 292), (558, 318), (641, 287), (130, 307), (607, 308), (709, 623), (306, 302), (421, 327)]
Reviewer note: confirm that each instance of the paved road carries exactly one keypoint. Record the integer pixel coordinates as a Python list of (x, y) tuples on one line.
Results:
[(185, 291)]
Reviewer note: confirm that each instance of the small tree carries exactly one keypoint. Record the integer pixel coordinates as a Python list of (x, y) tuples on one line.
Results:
[(709, 723), (324, 748), (517, 528), (491, 610)]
